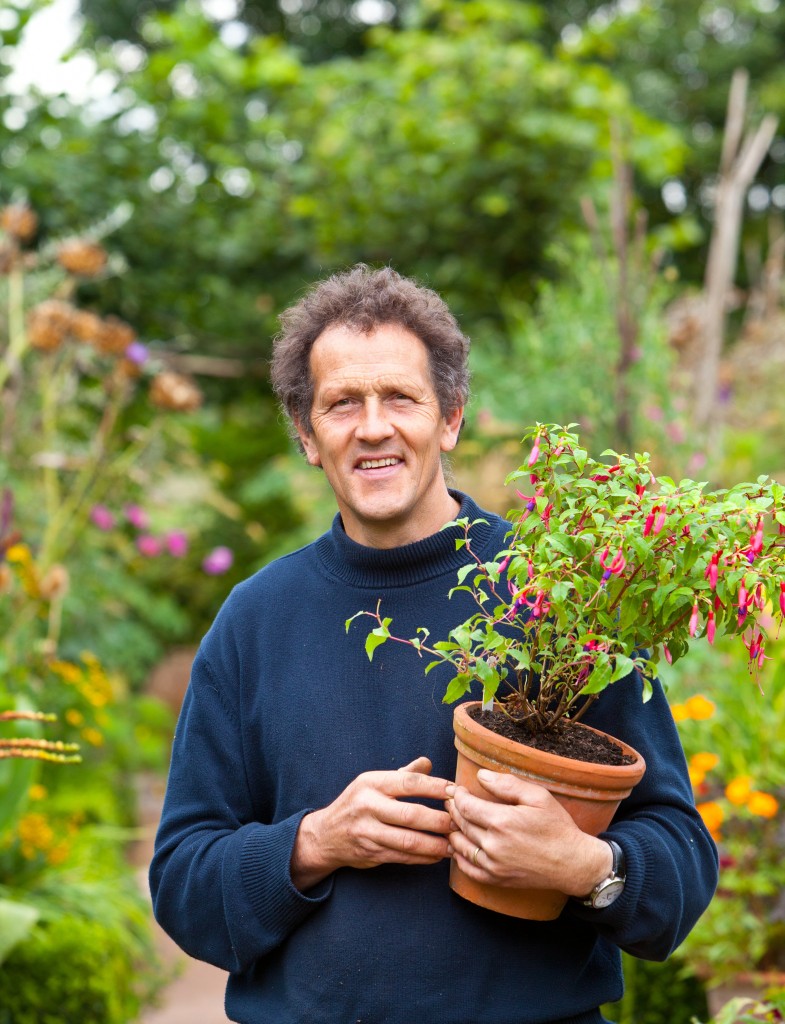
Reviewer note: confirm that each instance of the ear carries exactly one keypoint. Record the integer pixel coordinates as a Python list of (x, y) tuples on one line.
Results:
[(453, 422), (309, 445)]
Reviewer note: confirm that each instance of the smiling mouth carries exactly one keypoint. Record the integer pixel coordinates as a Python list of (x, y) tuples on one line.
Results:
[(378, 463)]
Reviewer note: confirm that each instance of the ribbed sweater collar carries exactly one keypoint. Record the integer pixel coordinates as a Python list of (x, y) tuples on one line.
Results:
[(426, 559)]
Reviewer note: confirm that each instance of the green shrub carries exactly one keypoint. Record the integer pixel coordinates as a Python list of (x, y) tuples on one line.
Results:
[(71, 969), (658, 993)]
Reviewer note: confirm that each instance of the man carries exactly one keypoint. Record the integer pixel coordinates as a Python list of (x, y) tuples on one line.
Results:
[(309, 817)]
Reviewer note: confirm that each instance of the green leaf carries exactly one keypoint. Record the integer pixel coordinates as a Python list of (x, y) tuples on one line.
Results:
[(457, 688), (375, 639), (16, 923), (599, 679), (623, 666)]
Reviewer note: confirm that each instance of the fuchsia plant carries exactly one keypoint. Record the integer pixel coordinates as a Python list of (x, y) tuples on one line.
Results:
[(608, 568)]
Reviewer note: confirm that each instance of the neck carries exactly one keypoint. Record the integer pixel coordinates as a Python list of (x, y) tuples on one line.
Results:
[(408, 530)]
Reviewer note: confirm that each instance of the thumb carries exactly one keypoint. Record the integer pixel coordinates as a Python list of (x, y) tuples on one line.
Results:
[(419, 764)]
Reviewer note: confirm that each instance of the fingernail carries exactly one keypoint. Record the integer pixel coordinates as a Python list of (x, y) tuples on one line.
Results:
[(450, 790), (485, 775)]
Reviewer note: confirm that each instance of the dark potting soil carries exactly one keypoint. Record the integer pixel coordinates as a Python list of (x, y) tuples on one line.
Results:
[(568, 739)]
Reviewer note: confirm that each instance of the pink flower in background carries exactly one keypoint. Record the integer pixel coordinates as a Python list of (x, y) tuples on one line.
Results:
[(218, 561), (136, 353), (137, 516), (176, 543), (148, 545), (102, 517)]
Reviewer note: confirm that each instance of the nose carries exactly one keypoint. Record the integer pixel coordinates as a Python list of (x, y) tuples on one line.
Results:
[(374, 424)]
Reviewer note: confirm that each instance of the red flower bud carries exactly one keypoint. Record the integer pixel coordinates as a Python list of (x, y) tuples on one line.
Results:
[(659, 522), (667, 653), (757, 539), (711, 628), (647, 528), (535, 452)]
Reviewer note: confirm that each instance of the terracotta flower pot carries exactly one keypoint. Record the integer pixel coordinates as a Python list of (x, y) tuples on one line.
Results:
[(590, 792)]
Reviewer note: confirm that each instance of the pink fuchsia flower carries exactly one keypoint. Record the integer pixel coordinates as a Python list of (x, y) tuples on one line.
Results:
[(218, 561), (757, 538), (176, 543), (782, 599), (148, 545), (101, 517), (137, 516), (711, 628), (694, 620), (535, 453)]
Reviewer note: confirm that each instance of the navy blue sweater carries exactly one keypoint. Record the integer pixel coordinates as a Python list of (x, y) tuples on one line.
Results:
[(283, 711)]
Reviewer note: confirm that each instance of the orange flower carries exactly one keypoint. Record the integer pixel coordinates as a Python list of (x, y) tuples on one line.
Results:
[(712, 815), (700, 708), (762, 804), (738, 790), (696, 776), (704, 762)]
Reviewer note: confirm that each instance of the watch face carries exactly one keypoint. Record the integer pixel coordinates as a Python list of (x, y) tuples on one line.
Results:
[(609, 893)]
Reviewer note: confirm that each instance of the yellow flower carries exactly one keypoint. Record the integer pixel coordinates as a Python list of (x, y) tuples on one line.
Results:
[(74, 717), (696, 776), (680, 712), (19, 553), (35, 833), (712, 815), (738, 790), (762, 804), (700, 708), (58, 854), (67, 671), (704, 761), (37, 792), (93, 736)]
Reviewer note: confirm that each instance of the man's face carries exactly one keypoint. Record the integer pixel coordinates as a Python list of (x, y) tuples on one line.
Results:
[(377, 432)]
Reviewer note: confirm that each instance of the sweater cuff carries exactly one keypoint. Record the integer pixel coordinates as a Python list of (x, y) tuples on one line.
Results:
[(637, 854), (264, 862)]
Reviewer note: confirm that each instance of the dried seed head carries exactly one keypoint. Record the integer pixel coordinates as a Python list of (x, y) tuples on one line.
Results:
[(79, 256), (86, 326), (176, 392), (19, 221), (115, 337), (55, 583), (49, 323), (7, 258)]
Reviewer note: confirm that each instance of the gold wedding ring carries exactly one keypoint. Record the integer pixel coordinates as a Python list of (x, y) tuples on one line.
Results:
[(475, 855)]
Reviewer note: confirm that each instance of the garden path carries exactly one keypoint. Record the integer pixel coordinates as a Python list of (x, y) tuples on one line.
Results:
[(196, 993)]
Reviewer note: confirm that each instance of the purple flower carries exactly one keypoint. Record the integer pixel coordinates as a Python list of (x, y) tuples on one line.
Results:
[(137, 516), (176, 543), (218, 561), (148, 545), (101, 517), (136, 353)]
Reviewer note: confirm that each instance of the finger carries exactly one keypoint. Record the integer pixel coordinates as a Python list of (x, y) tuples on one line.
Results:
[(418, 817), (472, 831), (408, 782), (419, 764), (412, 847), (510, 789)]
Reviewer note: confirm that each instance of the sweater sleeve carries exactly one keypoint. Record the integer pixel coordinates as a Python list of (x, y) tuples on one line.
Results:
[(220, 880), (671, 860)]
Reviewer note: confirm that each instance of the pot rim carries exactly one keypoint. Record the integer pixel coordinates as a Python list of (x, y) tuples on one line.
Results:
[(540, 763)]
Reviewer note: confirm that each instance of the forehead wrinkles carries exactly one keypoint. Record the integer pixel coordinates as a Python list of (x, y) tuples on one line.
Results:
[(355, 381)]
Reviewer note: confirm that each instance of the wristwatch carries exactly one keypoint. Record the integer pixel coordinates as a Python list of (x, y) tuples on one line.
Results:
[(609, 889)]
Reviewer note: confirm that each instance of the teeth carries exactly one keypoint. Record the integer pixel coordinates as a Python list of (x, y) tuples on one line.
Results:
[(378, 463)]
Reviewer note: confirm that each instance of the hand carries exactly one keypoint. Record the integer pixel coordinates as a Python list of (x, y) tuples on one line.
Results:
[(368, 824), (525, 840)]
